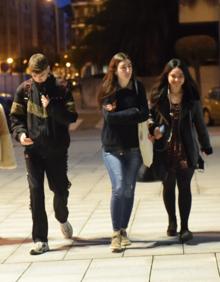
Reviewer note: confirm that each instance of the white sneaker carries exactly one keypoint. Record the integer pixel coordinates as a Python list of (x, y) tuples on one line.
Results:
[(66, 229), (39, 248)]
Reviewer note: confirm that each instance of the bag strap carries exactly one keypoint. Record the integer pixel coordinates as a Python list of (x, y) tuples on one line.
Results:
[(27, 87), (136, 86), (137, 92)]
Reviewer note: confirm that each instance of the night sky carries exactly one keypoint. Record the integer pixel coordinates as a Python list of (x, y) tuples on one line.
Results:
[(63, 2)]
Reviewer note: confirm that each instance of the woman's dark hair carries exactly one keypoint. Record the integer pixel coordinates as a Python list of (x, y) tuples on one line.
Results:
[(110, 79), (190, 89)]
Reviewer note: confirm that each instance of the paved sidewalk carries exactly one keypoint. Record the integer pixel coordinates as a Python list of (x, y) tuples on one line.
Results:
[(152, 257)]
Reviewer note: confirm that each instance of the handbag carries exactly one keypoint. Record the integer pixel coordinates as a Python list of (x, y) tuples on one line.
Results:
[(157, 171), (145, 145)]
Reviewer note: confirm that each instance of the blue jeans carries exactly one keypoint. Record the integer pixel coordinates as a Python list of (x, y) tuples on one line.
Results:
[(122, 168)]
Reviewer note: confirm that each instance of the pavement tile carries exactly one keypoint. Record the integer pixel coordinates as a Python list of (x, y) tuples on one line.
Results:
[(185, 268), (203, 242), (68, 271), (153, 244), (58, 250), (11, 273), (152, 256), (119, 269), (90, 248)]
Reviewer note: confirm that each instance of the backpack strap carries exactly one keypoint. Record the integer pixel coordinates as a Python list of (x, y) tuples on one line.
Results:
[(27, 88)]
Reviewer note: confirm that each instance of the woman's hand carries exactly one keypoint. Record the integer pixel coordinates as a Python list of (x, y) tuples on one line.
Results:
[(207, 151), (157, 133), (151, 138), (110, 107)]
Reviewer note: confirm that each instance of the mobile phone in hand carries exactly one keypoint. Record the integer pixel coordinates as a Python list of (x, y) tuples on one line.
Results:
[(162, 128)]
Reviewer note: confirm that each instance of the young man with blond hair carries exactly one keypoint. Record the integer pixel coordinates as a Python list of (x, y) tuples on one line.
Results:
[(40, 115)]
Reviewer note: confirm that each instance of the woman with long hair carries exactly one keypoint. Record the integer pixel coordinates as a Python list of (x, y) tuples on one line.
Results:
[(123, 102), (179, 134)]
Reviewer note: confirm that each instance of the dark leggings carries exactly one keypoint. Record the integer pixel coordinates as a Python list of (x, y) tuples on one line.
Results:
[(183, 179)]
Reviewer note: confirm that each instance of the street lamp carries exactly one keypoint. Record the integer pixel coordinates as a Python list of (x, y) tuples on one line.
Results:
[(10, 61)]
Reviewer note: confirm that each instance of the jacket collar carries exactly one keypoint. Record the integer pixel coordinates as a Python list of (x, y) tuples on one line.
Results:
[(163, 105)]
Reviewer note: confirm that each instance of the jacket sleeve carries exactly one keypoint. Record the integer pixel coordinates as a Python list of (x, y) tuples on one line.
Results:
[(125, 116), (131, 115), (201, 129), (18, 114), (153, 121), (63, 110)]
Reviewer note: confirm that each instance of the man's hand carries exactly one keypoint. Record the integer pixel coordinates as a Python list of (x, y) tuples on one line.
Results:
[(45, 100), (25, 140)]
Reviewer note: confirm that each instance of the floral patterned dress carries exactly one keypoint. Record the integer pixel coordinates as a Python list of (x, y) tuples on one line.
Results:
[(176, 154)]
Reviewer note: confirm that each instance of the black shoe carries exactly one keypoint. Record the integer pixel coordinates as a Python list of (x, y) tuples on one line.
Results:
[(185, 235), (172, 229)]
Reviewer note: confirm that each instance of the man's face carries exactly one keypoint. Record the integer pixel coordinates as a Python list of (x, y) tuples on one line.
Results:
[(42, 76)]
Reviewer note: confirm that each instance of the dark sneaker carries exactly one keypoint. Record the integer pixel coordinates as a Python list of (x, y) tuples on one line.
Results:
[(116, 242), (124, 238), (185, 235), (39, 248), (66, 229)]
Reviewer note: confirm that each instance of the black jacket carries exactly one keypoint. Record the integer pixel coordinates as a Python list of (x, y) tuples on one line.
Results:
[(120, 130), (48, 128), (192, 129)]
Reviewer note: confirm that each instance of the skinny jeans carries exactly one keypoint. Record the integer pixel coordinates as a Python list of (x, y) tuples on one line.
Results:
[(122, 168)]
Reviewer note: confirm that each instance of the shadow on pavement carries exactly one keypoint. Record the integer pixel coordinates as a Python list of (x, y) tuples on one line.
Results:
[(91, 241), (204, 237), (154, 244), (13, 241), (83, 242)]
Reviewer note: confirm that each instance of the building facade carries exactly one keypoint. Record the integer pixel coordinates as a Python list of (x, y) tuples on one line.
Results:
[(29, 26), (15, 28), (82, 10)]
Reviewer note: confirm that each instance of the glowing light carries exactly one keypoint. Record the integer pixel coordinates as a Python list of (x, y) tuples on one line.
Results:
[(10, 61)]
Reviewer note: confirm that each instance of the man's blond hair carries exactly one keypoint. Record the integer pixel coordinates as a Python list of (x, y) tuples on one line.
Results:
[(37, 63)]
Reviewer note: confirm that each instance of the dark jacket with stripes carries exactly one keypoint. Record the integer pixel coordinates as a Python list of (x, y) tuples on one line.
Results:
[(47, 127)]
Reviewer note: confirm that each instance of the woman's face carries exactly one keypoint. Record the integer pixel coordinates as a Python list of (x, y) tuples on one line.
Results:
[(124, 70), (176, 79)]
